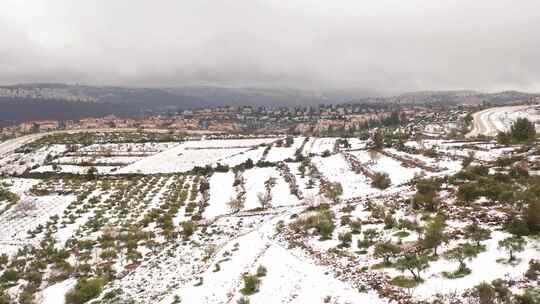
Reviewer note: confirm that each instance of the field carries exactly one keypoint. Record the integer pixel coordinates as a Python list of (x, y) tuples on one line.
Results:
[(275, 219)]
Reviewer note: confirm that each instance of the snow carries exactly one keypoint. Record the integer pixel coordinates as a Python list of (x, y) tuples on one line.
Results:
[(336, 169), (485, 268), (384, 164), (190, 154), (323, 144), (281, 194), (246, 240), (254, 179), (282, 153), (221, 192), (76, 169), (254, 154), (15, 222), (19, 162), (296, 280), (55, 294)]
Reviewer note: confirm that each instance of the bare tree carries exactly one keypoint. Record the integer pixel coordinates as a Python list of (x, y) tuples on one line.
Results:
[(264, 199), (235, 205), (373, 156)]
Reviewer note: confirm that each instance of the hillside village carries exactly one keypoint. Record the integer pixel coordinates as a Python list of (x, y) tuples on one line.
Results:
[(321, 120)]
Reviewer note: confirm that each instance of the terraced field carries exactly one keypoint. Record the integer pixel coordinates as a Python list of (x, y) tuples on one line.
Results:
[(261, 219)]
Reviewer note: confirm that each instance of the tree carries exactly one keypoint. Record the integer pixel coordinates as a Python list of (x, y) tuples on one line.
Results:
[(504, 138), (523, 130), (532, 216), (373, 156), (264, 199), (386, 251), (414, 263), (512, 244), (426, 194), (378, 139), (476, 233), (434, 234), (461, 253)]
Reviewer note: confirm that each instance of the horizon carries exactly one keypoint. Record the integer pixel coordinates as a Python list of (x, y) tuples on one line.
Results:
[(272, 88)]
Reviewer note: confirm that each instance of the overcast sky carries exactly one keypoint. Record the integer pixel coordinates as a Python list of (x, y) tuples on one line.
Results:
[(381, 45)]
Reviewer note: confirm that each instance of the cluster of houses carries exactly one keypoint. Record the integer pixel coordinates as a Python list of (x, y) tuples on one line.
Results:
[(44, 93), (230, 119)]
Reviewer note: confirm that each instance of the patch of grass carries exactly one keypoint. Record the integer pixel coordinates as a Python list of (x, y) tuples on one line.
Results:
[(402, 234), (405, 282), (380, 265), (505, 261), (460, 273)]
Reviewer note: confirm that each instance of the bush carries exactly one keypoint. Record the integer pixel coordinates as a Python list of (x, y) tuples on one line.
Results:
[(326, 228), (468, 192), (243, 300), (381, 180), (188, 228), (251, 284), (261, 271), (534, 270), (10, 275), (85, 290), (345, 239), (485, 293)]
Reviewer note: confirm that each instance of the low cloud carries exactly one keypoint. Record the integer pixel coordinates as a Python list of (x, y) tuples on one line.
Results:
[(384, 46)]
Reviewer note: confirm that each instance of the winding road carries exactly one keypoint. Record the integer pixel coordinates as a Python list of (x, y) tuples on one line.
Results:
[(491, 121)]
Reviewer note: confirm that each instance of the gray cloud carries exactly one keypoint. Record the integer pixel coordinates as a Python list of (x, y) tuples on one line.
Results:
[(383, 45)]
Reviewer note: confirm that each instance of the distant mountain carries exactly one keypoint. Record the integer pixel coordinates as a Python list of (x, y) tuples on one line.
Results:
[(184, 96), (462, 97)]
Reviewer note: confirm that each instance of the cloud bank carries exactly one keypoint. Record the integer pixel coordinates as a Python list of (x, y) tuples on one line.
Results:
[(382, 45)]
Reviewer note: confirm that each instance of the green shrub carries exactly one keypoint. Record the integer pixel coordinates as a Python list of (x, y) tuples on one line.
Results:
[(251, 284), (381, 180), (85, 290)]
